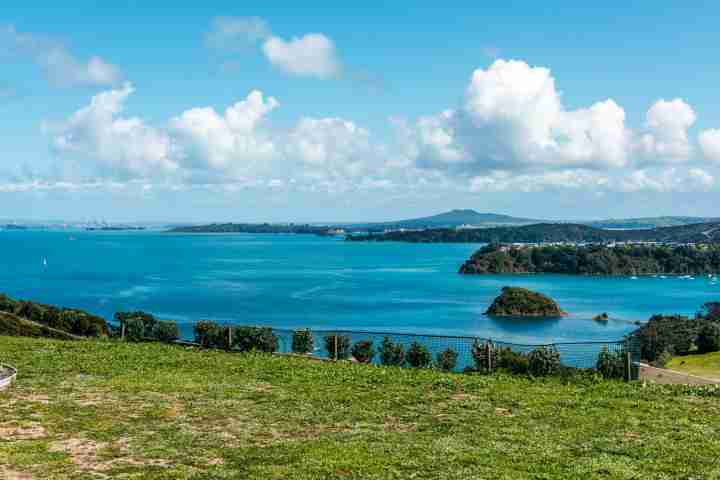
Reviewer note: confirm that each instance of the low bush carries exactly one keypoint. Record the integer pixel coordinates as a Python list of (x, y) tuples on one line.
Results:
[(166, 331), (611, 364), (511, 361), (663, 359), (210, 335), (261, 339), (709, 338), (447, 360), (482, 360), (141, 323), (363, 351), (544, 361), (338, 346), (302, 341), (418, 356), (134, 330), (672, 333), (391, 353)]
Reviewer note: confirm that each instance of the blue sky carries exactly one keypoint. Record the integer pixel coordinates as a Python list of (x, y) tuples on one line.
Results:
[(372, 112)]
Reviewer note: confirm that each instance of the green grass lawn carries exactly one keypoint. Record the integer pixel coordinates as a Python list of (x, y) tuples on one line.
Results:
[(110, 410), (705, 365)]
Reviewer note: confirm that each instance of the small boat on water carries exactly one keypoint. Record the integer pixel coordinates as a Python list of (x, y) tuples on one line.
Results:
[(44, 262), (633, 277)]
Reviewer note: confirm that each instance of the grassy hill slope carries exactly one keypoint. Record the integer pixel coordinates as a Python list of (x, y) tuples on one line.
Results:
[(14, 326), (153, 411)]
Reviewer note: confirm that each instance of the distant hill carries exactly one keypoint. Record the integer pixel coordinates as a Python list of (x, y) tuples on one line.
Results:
[(552, 232), (456, 218)]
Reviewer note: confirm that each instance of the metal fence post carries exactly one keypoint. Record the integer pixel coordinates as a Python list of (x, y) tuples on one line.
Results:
[(229, 338), (488, 356), (122, 330), (335, 353), (628, 361)]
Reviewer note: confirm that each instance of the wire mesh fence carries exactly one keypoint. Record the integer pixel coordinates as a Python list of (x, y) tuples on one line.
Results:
[(406, 349), (454, 353)]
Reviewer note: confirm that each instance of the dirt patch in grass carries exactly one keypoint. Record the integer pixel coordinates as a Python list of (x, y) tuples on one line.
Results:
[(89, 455), (11, 432), (7, 474)]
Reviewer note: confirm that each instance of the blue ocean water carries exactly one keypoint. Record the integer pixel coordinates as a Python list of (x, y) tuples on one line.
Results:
[(292, 281)]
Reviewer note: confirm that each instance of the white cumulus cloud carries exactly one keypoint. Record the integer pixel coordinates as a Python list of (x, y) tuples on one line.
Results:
[(230, 141), (513, 118), (666, 141), (123, 145), (710, 144)]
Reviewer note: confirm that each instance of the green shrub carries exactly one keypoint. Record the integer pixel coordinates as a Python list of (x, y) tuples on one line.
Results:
[(709, 338), (662, 360), (672, 333), (480, 356), (447, 360), (418, 356), (363, 351), (68, 320), (210, 334), (302, 341), (262, 339), (391, 353), (134, 330), (511, 361), (166, 331), (342, 342), (147, 321), (544, 361), (611, 364)]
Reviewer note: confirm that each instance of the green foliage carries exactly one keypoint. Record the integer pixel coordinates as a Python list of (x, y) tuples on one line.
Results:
[(134, 329), (69, 320), (663, 359), (210, 335), (262, 339), (447, 360), (391, 353), (675, 334), (139, 325), (12, 325), (363, 351), (511, 361), (596, 260), (709, 338), (544, 361), (166, 331), (514, 301), (611, 364), (338, 346), (302, 341), (483, 356), (418, 356)]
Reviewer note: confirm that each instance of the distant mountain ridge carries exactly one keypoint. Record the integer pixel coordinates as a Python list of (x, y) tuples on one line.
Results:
[(456, 218)]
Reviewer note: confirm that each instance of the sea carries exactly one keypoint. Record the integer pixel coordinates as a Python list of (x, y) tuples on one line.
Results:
[(306, 281)]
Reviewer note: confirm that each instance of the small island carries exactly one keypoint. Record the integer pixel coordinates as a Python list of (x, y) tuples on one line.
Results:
[(521, 302)]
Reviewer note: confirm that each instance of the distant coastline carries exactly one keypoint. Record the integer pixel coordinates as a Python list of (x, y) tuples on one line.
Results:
[(550, 233)]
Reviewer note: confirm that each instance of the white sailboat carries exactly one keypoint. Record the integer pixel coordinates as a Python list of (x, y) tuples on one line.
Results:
[(44, 262)]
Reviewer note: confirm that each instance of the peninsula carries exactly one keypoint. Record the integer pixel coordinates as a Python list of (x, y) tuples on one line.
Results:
[(595, 260)]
